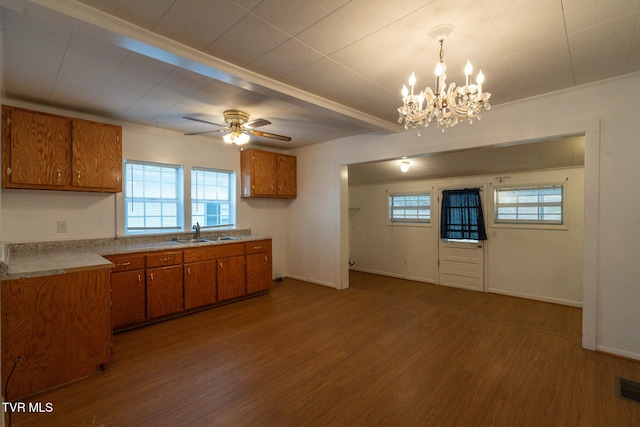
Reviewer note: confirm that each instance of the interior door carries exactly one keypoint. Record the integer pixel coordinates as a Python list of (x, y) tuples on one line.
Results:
[(460, 262)]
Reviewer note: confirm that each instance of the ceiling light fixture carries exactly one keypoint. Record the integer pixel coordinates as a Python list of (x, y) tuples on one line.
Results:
[(404, 166), (447, 106), (236, 134)]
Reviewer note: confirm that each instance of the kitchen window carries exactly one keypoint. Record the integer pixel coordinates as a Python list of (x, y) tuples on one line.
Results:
[(153, 197), (529, 205), (409, 208), (212, 197)]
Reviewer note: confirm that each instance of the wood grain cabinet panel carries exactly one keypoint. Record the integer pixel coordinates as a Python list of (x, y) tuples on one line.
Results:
[(97, 155), (36, 149), (58, 325), (268, 174), (200, 284), (128, 298), (259, 266), (51, 152), (286, 174), (164, 291), (232, 278)]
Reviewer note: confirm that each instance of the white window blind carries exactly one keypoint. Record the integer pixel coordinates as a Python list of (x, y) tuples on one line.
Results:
[(212, 197), (153, 197), (531, 205), (414, 208)]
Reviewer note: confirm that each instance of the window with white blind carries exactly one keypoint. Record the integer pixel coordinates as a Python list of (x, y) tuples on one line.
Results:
[(212, 197), (153, 197), (409, 208), (529, 205)]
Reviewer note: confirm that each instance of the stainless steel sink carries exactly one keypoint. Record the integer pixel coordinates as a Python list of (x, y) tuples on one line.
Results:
[(192, 240), (226, 238)]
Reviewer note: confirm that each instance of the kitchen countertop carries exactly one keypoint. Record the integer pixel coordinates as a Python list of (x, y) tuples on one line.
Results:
[(46, 259)]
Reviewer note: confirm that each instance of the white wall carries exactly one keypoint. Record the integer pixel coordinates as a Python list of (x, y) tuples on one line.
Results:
[(540, 263), (606, 112), (32, 215)]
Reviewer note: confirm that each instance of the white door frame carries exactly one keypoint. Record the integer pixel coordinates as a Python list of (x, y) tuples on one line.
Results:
[(483, 196)]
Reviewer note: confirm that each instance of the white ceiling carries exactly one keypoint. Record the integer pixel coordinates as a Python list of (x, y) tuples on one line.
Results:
[(317, 69)]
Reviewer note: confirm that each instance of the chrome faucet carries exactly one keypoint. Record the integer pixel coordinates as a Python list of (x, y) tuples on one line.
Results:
[(197, 228)]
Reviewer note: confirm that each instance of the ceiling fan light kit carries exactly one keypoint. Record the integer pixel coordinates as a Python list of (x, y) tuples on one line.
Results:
[(238, 128), (448, 106)]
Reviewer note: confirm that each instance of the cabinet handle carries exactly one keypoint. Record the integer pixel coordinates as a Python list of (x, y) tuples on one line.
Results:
[(139, 280), (266, 259), (221, 265), (164, 259), (151, 277), (124, 264), (8, 171), (189, 270), (77, 176), (257, 247), (59, 175)]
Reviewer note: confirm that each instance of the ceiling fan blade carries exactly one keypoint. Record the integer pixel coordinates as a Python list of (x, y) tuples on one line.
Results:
[(256, 123), (270, 135), (204, 121), (206, 131)]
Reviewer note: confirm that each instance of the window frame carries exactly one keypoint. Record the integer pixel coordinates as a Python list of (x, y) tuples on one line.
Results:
[(411, 222), (129, 198), (231, 191), (549, 224)]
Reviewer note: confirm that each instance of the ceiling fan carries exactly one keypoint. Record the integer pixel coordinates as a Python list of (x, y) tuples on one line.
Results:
[(238, 128)]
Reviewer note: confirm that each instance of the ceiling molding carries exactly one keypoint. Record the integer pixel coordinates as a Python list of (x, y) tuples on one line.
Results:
[(134, 38)]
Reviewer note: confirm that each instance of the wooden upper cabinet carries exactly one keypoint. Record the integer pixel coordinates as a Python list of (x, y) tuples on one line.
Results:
[(35, 150), (268, 174), (97, 155), (51, 152), (286, 176)]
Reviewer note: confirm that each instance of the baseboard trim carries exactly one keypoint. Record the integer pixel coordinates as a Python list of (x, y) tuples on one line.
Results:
[(537, 297), (394, 275), (309, 280)]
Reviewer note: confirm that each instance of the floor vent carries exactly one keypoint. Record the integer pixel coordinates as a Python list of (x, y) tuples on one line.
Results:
[(627, 389)]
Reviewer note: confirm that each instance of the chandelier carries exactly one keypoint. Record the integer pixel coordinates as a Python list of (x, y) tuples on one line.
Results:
[(447, 106)]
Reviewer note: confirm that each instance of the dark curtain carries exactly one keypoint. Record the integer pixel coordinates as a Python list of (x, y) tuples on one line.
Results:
[(461, 216)]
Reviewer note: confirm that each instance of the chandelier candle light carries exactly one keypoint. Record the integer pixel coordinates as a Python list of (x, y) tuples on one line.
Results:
[(447, 106)]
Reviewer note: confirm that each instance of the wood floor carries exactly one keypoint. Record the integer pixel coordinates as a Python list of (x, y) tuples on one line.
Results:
[(385, 352)]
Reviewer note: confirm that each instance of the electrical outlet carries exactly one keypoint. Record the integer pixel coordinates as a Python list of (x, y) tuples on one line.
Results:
[(62, 226)]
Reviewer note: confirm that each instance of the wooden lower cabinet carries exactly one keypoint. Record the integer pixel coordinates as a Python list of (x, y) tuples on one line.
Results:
[(128, 290), (128, 298), (259, 266), (59, 326), (164, 291), (200, 284), (232, 278)]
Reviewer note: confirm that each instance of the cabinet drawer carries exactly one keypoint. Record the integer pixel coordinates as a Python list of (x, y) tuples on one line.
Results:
[(161, 259), (127, 262), (222, 250), (258, 246)]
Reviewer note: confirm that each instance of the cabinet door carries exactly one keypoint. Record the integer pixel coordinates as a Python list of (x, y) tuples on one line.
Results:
[(97, 156), (127, 298), (263, 181), (286, 176), (39, 149), (200, 284), (258, 272), (59, 325), (232, 280), (164, 291)]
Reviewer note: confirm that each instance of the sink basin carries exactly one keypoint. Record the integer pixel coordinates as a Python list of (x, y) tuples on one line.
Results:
[(192, 240), (226, 238)]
